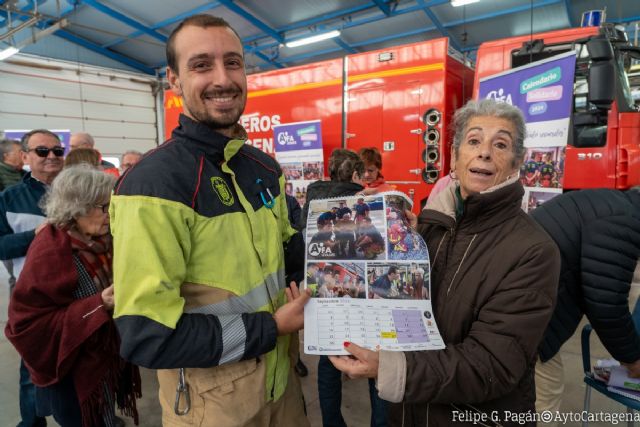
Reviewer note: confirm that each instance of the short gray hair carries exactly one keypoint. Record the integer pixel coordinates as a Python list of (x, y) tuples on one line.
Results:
[(489, 107), (136, 152), (6, 146), (74, 192)]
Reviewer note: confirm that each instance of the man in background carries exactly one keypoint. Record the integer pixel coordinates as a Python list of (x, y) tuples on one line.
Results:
[(85, 140), (128, 159), (10, 174), (10, 163), (598, 234), (21, 218)]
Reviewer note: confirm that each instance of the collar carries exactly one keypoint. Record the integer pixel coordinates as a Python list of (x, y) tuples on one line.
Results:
[(207, 138), (480, 211), (28, 178)]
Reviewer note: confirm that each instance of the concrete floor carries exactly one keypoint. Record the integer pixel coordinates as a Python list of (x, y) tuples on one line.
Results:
[(355, 392)]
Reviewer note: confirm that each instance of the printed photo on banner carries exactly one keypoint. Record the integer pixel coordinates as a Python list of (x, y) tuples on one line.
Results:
[(534, 198), (403, 242), (313, 171), (543, 167), (398, 281), (349, 228), (336, 280), (292, 171)]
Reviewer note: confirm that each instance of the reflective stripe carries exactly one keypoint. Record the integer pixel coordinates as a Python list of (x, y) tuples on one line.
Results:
[(249, 303), (234, 337)]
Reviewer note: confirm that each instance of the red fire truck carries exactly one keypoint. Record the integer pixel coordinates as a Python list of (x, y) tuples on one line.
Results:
[(398, 100), (603, 150)]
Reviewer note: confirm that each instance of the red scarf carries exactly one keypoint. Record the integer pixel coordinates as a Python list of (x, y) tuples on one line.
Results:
[(95, 254), (58, 335)]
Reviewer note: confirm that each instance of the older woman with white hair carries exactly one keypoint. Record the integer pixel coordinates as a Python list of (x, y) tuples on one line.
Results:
[(494, 278), (60, 311)]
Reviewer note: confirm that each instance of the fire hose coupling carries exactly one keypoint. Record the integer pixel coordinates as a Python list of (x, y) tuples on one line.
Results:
[(182, 389), (431, 155), (430, 176), (431, 136), (431, 117)]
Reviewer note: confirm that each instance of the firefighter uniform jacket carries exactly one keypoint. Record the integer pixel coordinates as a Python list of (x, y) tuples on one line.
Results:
[(198, 227)]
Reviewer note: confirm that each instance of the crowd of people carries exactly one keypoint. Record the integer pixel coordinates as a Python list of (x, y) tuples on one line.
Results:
[(180, 266)]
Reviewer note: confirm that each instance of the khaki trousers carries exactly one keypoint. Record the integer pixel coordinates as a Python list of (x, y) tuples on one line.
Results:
[(232, 396), (549, 385)]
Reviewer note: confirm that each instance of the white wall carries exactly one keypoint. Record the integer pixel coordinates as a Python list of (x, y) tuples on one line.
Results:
[(117, 108)]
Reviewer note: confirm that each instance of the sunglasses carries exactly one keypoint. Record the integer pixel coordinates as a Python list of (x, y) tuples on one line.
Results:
[(44, 151)]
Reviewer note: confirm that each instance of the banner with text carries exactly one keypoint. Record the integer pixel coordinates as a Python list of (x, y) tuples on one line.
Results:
[(543, 90), (298, 149)]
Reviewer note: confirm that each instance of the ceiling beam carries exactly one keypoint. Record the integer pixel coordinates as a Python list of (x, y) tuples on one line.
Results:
[(344, 45), (434, 19), (105, 52), (383, 7), (27, 11), (166, 22), (229, 4), (414, 8), (268, 60), (124, 19)]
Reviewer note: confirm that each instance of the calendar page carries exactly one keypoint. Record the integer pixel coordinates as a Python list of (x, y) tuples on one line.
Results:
[(369, 276)]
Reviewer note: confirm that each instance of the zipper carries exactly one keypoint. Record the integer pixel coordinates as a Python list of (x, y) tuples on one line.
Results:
[(461, 262)]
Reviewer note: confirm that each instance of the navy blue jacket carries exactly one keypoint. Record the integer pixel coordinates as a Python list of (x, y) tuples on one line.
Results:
[(598, 234), (20, 214)]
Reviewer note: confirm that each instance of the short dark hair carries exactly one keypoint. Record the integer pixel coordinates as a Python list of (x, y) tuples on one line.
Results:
[(24, 141), (201, 20), (342, 164), (371, 155), (393, 269)]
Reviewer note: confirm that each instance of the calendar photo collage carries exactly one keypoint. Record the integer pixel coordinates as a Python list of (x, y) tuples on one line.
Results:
[(369, 276)]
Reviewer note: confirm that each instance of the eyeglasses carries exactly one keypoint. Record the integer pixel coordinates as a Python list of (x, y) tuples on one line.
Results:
[(44, 151), (104, 208)]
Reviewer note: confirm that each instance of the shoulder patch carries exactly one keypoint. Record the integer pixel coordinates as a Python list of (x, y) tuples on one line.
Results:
[(222, 190)]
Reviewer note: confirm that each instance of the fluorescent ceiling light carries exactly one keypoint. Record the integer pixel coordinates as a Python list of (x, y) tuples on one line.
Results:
[(456, 3), (10, 51), (313, 39)]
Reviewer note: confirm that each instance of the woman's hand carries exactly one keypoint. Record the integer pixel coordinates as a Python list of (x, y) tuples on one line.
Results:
[(362, 363), (107, 298), (412, 218)]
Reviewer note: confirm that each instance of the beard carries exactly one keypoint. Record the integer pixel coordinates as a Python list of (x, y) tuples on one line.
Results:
[(215, 118)]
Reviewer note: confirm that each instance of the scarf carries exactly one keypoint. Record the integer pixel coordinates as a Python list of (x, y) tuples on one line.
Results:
[(95, 254), (58, 335)]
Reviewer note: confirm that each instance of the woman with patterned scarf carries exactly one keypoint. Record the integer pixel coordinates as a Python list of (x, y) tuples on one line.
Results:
[(60, 311)]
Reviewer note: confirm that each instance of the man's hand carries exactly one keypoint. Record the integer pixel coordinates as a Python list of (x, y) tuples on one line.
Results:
[(362, 363), (107, 298), (634, 368), (290, 317)]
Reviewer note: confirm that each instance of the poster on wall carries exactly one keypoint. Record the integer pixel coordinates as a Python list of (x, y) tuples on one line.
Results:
[(63, 134), (298, 149), (543, 90)]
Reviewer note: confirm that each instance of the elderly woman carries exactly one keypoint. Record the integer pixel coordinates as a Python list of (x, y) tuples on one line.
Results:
[(494, 277), (60, 311)]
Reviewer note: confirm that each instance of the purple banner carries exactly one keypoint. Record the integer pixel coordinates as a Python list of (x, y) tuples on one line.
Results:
[(542, 90), (298, 136)]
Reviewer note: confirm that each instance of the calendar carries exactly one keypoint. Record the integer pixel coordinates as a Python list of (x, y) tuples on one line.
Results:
[(369, 275)]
